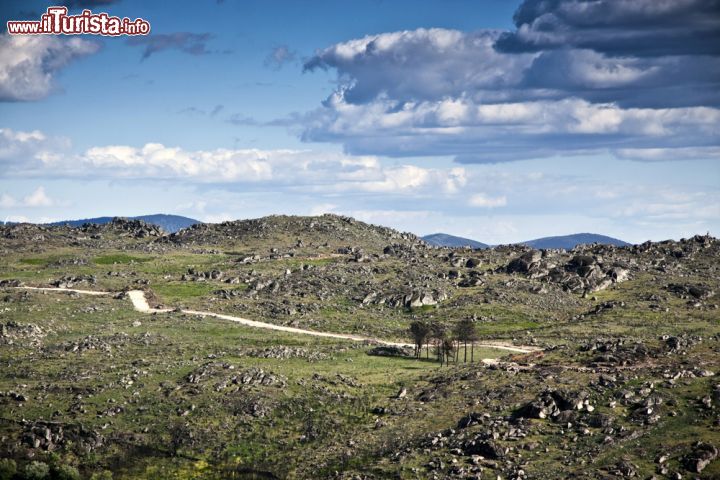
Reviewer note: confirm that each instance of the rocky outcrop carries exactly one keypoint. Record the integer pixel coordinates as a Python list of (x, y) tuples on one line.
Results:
[(577, 273), (390, 351), (22, 333), (49, 436), (700, 457), (550, 404)]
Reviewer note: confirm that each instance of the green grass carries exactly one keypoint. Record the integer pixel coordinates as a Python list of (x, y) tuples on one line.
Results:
[(181, 291), (119, 258), (165, 348), (34, 261), (46, 260)]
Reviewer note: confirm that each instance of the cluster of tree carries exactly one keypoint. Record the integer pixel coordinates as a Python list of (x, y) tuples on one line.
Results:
[(445, 342)]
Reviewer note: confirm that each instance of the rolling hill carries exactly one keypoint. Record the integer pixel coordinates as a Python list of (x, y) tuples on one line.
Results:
[(567, 242), (445, 240), (169, 223), (570, 241)]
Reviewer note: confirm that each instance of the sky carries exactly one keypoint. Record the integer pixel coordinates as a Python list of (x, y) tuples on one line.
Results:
[(495, 120)]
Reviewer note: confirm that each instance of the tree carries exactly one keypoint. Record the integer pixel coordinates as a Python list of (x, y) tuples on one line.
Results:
[(420, 332), (465, 332), (439, 334), (448, 347), (472, 338)]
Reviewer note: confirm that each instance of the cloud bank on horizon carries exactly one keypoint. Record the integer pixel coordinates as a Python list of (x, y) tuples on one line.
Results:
[(596, 115)]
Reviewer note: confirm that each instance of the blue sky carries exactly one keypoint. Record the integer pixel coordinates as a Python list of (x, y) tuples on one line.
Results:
[(497, 120)]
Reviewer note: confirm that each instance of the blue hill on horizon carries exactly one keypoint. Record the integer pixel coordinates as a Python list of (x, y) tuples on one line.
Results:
[(445, 240), (567, 242), (169, 223)]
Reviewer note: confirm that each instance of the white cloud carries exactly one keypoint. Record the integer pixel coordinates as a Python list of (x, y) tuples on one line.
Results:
[(422, 64), (666, 204), (219, 217), (158, 161), (390, 216), (28, 63), (484, 201), (671, 211), (36, 199), (198, 206), (28, 154), (668, 154), (456, 125), (405, 178), (21, 152), (25, 219), (6, 201), (223, 184), (16, 219), (321, 208), (323, 171)]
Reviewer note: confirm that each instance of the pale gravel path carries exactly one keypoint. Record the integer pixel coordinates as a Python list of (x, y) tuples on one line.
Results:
[(140, 303), (71, 290)]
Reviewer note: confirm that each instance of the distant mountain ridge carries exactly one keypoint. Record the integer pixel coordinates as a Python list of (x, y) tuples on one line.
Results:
[(174, 223), (169, 223), (566, 242), (445, 240), (569, 242)]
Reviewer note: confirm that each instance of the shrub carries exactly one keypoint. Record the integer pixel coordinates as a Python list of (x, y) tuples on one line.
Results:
[(37, 471), (8, 468), (66, 472), (104, 475)]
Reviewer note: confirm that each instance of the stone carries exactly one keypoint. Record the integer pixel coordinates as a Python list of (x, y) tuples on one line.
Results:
[(486, 448), (700, 457)]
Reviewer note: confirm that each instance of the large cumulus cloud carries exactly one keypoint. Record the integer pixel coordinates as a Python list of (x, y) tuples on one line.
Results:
[(617, 27), (420, 64), (555, 85), (28, 64)]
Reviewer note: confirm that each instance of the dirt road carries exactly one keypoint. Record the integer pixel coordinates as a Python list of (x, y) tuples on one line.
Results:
[(140, 303)]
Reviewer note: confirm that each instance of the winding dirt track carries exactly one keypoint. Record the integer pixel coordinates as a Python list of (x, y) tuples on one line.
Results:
[(140, 303)]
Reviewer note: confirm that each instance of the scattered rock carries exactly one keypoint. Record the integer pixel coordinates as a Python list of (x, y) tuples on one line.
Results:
[(700, 457)]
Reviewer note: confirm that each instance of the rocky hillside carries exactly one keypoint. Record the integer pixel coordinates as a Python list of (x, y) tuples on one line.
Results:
[(326, 233), (619, 378), (119, 232)]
